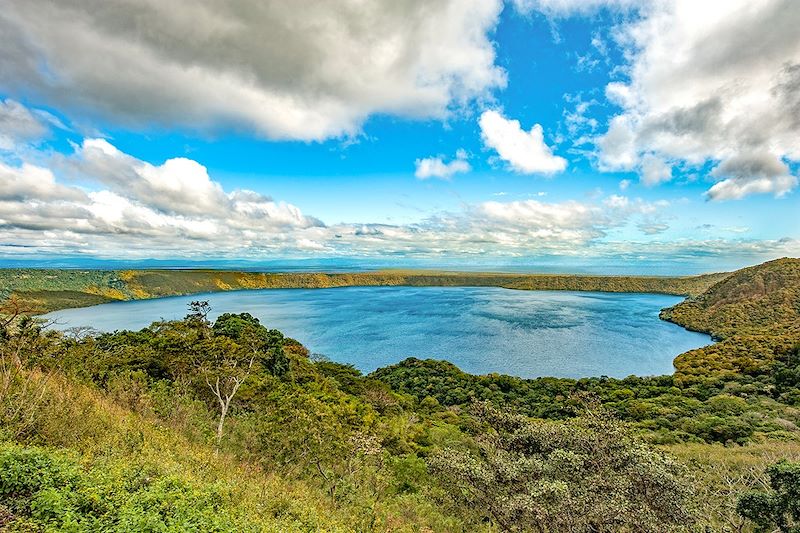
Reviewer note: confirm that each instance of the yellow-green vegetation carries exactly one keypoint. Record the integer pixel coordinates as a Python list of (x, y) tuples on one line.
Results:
[(723, 473), (42, 291), (117, 433), (230, 426), (82, 462), (755, 313)]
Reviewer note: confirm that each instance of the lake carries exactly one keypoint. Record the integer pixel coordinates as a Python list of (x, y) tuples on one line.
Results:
[(480, 329)]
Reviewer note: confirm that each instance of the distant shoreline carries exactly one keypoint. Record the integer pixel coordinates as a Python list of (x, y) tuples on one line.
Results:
[(46, 290)]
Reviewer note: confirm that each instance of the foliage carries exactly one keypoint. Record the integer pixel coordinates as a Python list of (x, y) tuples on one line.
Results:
[(780, 507), (246, 330), (715, 410), (587, 474), (756, 314), (40, 487), (721, 474), (21, 392), (160, 428)]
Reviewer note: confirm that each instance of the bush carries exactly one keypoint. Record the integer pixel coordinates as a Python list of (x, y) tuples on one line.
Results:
[(50, 490), (585, 474), (778, 508)]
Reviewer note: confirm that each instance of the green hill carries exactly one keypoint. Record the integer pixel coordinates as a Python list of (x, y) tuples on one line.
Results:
[(763, 299), (755, 313)]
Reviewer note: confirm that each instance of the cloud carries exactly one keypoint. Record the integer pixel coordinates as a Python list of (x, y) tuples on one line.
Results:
[(515, 228), (31, 183), (578, 120), (126, 207), (303, 70), (565, 8), (654, 170), (525, 152), (168, 209), (653, 228), (46, 218), (19, 125), (757, 173), (620, 94), (178, 186), (705, 84), (435, 167), (102, 202), (618, 146)]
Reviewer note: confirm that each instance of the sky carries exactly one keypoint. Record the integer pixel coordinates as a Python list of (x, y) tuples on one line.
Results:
[(576, 135)]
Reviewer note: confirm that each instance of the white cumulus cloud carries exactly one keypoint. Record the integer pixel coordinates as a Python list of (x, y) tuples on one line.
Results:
[(524, 151), (706, 83), (654, 170), (435, 167), (746, 174), (178, 186)]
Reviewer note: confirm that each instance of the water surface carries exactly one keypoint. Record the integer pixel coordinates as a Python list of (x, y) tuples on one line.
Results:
[(481, 330)]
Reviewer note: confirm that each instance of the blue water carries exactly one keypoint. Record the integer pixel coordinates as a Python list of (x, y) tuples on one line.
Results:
[(481, 330)]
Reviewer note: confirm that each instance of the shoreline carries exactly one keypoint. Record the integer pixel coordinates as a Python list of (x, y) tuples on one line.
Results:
[(45, 290), (119, 318)]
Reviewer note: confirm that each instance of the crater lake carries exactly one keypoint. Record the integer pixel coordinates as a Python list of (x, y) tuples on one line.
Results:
[(481, 330)]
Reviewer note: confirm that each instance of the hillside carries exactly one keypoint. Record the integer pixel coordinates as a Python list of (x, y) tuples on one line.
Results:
[(755, 313), (47, 290), (763, 299), (86, 462)]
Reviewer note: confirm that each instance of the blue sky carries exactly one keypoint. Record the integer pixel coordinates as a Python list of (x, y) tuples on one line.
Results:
[(412, 137)]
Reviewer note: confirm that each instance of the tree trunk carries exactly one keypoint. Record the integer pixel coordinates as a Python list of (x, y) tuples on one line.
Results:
[(222, 413)]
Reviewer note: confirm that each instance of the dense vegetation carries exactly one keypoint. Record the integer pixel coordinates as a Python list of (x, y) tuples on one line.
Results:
[(755, 313), (44, 290), (779, 507), (230, 426)]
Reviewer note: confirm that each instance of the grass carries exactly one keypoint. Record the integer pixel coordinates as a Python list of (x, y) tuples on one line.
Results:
[(117, 468)]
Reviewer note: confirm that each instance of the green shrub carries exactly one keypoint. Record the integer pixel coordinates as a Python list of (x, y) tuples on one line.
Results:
[(51, 490), (779, 507)]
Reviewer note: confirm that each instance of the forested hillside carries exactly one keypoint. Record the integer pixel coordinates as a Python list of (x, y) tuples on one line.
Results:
[(40, 291), (763, 299), (231, 426), (755, 313)]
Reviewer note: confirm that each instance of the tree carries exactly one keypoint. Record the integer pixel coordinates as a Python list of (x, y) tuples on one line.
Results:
[(585, 474), (198, 313), (10, 310), (225, 366), (779, 507), (266, 344)]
